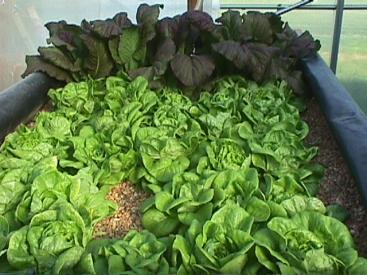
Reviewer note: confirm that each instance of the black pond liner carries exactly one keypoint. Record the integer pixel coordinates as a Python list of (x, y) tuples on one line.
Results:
[(348, 123), (20, 102), (345, 118)]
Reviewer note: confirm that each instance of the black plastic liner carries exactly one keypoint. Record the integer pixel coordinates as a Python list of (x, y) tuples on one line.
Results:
[(345, 118), (21, 101), (347, 121)]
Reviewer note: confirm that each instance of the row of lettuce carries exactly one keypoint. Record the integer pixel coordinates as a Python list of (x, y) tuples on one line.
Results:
[(187, 50), (233, 184)]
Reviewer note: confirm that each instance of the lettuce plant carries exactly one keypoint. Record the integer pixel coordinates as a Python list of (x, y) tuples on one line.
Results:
[(136, 253), (187, 50), (308, 242), (232, 183), (220, 246), (53, 241)]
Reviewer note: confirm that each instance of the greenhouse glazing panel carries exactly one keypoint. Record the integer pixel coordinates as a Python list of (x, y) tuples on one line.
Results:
[(319, 22), (352, 64)]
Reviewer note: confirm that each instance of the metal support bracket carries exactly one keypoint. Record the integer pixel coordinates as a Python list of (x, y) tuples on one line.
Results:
[(294, 6)]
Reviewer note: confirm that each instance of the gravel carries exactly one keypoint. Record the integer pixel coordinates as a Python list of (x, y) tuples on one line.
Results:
[(128, 217), (338, 185)]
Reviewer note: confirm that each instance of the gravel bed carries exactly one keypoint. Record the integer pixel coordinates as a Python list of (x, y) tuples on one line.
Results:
[(338, 185), (128, 217)]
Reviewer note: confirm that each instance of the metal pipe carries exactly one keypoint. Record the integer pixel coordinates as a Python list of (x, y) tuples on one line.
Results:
[(199, 5), (294, 6), (190, 4), (195, 5), (336, 36)]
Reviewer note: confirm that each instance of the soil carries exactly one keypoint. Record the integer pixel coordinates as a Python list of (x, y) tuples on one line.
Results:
[(338, 185)]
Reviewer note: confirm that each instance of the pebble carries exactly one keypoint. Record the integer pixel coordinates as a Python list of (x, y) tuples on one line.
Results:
[(128, 217)]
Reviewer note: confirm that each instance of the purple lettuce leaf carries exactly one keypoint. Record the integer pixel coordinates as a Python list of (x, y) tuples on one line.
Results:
[(38, 64), (304, 46), (254, 58), (283, 68), (164, 54), (66, 36), (297, 46), (99, 62), (192, 28), (232, 51), (258, 59), (110, 27), (59, 58), (147, 17), (168, 27), (276, 22), (231, 27), (257, 27), (192, 70), (146, 72)]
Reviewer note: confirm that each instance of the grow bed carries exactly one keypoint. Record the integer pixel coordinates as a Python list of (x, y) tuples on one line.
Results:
[(337, 186), (230, 180), (208, 163)]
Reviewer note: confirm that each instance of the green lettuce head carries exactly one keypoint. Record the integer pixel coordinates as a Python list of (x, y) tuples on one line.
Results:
[(53, 241), (221, 245), (136, 253), (307, 243), (224, 154)]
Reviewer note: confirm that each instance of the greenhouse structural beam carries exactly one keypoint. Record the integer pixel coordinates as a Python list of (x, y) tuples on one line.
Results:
[(278, 7), (336, 35)]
